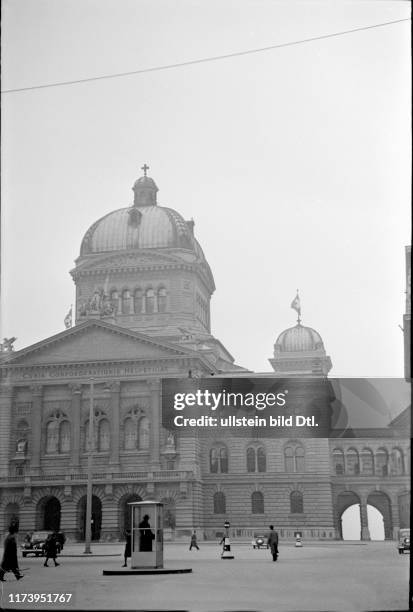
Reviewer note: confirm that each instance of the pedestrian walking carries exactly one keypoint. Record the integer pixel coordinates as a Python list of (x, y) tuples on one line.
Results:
[(9, 562), (193, 541), (50, 548), (272, 543), (128, 547)]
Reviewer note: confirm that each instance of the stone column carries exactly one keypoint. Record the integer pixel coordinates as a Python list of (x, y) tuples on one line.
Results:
[(365, 533), (395, 515), (6, 400), (155, 404), (115, 410), (76, 415), (37, 391)]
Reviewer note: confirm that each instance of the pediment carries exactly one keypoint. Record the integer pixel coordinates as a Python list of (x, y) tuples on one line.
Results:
[(95, 341)]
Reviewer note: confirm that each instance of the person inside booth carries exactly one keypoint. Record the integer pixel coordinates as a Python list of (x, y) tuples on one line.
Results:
[(146, 535)]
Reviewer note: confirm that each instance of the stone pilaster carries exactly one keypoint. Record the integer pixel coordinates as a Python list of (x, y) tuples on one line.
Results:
[(365, 533), (6, 400), (155, 407), (37, 392), (115, 409), (76, 415), (395, 514)]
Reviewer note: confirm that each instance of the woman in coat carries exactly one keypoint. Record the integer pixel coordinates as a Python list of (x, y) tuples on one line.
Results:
[(50, 548), (128, 547), (9, 562)]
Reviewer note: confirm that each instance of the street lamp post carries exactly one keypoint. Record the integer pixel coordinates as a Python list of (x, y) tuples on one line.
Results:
[(88, 530)]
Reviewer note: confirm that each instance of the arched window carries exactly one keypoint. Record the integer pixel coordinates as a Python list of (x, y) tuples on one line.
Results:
[(382, 460), (397, 463), (250, 459), (219, 503), (143, 435), (162, 299), (149, 301), (223, 460), (126, 301), (213, 461), (114, 298), (296, 502), (367, 463), (64, 437), (22, 433), (261, 460), (338, 461), (138, 301), (294, 458), (289, 458), (52, 437), (257, 503), (299, 459), (130, 438), (352, 461), (218, 460), (103, 435)]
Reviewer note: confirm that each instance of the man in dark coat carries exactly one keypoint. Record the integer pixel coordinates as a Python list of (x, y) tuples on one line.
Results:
[(272, 543), (9, 562), (50, 548), (128, 547), (146, 535)]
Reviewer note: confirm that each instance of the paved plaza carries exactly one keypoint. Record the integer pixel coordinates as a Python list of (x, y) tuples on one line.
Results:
[(332, 576)]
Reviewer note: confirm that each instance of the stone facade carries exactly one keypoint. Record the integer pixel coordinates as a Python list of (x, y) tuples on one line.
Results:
[(143, 290)]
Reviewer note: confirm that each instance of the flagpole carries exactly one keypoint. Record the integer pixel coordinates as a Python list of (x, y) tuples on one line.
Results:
[(88, 527)]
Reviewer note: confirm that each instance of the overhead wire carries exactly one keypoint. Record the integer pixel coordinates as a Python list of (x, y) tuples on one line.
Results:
[(204, 60)]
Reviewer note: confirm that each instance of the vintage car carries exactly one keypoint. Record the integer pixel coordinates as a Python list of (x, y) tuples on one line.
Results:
[(259, 541), (34, 545), (404, 541)]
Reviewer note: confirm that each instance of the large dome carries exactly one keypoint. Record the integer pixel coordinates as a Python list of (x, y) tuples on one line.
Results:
[(145, 227), (297, 339)]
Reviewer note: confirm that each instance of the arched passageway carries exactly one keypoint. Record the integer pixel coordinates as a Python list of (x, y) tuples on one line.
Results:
[(96, 519), (48, 514), (351, 523)]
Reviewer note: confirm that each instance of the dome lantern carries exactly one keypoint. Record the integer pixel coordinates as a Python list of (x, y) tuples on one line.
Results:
[(144, 190)]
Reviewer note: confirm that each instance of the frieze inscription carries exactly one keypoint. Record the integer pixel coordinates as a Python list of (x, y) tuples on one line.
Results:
[(87, 371)]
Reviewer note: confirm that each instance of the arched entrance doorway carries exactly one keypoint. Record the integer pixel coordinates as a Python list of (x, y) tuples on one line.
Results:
[(48, 514), (346, 500), (11, 515), (96, 519), (124, 516), (381, 502)]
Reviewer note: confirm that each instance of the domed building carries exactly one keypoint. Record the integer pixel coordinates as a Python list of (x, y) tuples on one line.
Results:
[(299, 351), (143, 292)]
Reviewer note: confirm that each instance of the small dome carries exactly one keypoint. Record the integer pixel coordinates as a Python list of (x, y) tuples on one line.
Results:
[(298, 339)]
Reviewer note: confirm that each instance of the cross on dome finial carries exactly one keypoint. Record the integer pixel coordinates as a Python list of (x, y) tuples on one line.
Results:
[(145, 168)]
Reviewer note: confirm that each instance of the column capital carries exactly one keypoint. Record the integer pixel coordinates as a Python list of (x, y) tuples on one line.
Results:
[(154, 384), (113, 386), (75, 388), (36, 390)]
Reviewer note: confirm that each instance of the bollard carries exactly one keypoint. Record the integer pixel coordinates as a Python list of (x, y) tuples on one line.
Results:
[(226, 551)]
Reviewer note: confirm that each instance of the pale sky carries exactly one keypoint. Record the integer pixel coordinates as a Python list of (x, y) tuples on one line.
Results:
[(294, 163)]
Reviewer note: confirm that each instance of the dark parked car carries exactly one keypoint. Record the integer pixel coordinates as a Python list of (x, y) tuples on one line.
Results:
[(259, 542), (34, 544), (404, 541)]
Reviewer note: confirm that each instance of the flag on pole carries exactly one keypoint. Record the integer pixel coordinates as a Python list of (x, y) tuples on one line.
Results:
[(68, 319), (296, 304)]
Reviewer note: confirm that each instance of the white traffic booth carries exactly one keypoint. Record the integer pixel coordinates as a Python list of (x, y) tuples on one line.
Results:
[(147, 534)]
